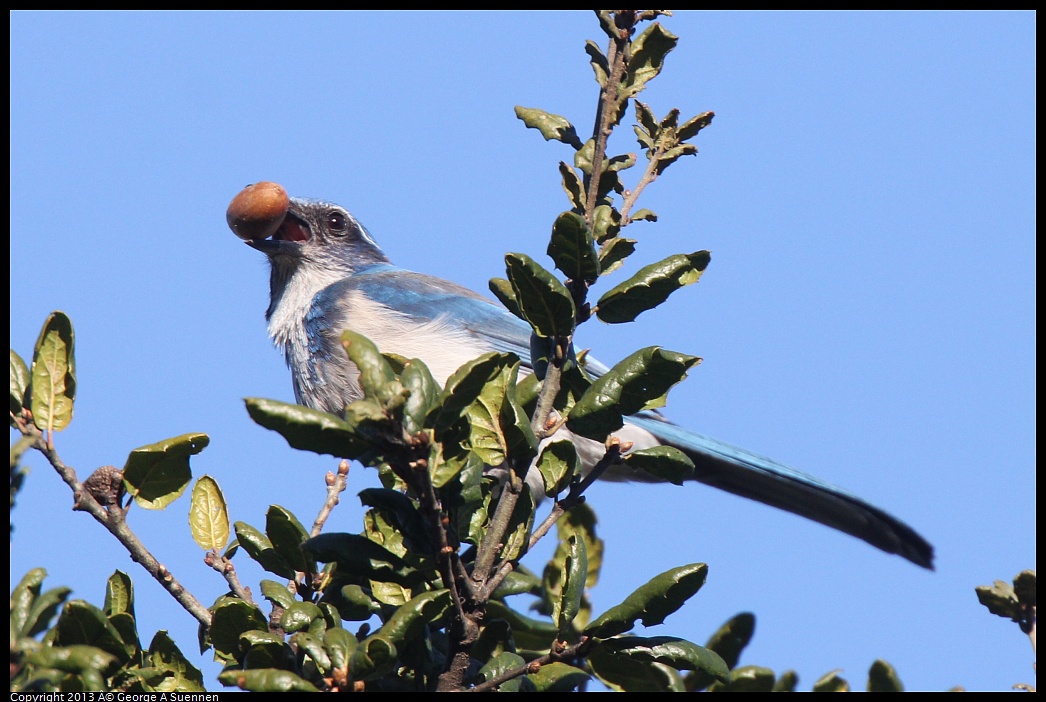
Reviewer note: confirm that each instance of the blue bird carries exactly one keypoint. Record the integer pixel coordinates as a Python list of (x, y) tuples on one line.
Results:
[(329, 275)]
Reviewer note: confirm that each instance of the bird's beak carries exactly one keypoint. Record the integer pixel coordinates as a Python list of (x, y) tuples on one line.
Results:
[(291, 234)]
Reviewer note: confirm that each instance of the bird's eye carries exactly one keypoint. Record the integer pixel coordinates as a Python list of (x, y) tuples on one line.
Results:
[(336, 221)]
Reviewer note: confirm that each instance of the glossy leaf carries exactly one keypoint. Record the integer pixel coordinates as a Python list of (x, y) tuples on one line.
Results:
[(831, 682), (572, 186), (376, 376), (83, 623), (313, 648), (53, 374), (339, 644), (613, 253), (571, 248), (181, 675), (749, 678), (23, 595), (502, 290), (883, 678), (409, 621), (307, 429), (529, 633), (500, 664), (638, 382), (624, 674), (358, 555), (598, 60), (259, 547), (558, 464), (786, 682), (405, 516), (156, 475), (651, 286), (558, 677), (208, 515), (299, 616), (732, 637), (42, 611), (575, 570), (119, 594), (551, 126), (652, 602), (231, 617), (266, 680), (375, 656), (664, 462), (544, 301), (19, 382), (517, 536), (690, 128), (606, 224), (75, 659), (424, 395), (669, 650), (287, 535), (648, 56), (277, 593)]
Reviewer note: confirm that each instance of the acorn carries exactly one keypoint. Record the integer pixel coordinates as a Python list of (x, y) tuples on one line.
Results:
[(258, 210)]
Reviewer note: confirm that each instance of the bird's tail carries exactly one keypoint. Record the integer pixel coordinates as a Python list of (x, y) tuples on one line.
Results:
[(758, 478)]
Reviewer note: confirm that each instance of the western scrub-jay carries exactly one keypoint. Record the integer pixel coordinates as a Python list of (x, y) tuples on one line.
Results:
[(329, 275)]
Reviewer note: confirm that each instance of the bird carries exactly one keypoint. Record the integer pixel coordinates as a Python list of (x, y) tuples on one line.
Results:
[(328, 274)]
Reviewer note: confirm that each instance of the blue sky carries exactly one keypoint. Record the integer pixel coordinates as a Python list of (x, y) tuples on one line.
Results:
[(866, 189)]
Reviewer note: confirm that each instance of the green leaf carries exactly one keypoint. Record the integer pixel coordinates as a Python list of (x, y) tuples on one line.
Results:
[(545, 302), (75, 659), (883, 678), (600, 67), (1000, 599), (287, 535), (606, 225), (502, 663), (299, 616), (648, 56), (375, 656), (652, 602), (156, 475), (23, 595), (690, 128), (635, 383), (749, 678), (376, 376), (643, 214), (558, 677), (182, 676), (266, 680), (671, 651), (53, 374), (732, 637), (405, 517), (502, 290), (651, 286), (664, 462), (208, 515), (119, 594), (83, 623), (424, 395), (339, 644), (19, 382), (558, 464), (354, 604), (613, 253), (231, 618), (125, 625), (573, 187), (307, 429), (831, 682), (575, 570), (787, 682), (42, 611), (571, 248), (313, 647), (551, 126), (623, 674), (277, 593), (408, 622), (260, 548), (529, 633), (1024, 587), (358, 555), (517, 536)]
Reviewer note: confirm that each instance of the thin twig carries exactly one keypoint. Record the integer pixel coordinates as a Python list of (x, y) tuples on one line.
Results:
[(564, 653), (224, 566), (113, 520), (336, 484)]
